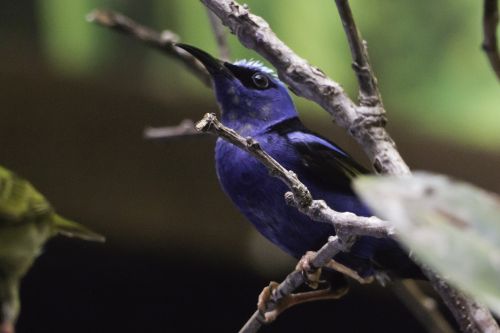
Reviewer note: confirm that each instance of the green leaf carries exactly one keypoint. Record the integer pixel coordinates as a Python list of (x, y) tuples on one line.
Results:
[(449, 225)]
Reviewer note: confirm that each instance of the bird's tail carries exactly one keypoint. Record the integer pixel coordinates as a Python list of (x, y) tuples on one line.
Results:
[(72, 229)]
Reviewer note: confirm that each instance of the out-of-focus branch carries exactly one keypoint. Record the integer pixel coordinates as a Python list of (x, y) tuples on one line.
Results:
[(163, 41), (364, 123), (490, 42), (471, 316), (424, 307), (369, 94), (185, 129), (220, 36)]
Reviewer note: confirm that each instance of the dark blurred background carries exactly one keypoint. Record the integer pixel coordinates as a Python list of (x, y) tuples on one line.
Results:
[(75, 99)]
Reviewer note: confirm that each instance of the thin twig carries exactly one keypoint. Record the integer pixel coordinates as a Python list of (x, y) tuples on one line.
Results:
[(220, 36), (490, 42), (369, 94), (364, 123), (163, 41), (184, 129)]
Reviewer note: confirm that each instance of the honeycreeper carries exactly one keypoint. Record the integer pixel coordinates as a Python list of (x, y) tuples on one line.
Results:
[(27, 221), (255, 103)]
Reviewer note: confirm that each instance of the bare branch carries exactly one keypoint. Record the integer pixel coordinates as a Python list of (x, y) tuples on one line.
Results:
[(365, 124), (163, 41), (184, 129), (490, 42), (220, 36), (369, 94)]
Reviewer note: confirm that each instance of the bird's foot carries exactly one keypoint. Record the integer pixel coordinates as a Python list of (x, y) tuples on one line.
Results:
[(312, 274), (264, 296), (294, 299)]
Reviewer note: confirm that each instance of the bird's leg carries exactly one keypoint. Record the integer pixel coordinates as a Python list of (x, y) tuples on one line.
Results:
[(313, 274), (295, 299)]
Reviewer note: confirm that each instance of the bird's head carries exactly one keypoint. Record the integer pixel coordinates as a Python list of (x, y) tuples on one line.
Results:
[(250, 96)]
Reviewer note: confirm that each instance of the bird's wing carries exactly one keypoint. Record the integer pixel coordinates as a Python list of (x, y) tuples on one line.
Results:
[(19, 200), (321, 161)]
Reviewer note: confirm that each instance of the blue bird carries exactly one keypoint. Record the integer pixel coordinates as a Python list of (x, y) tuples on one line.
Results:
[(255, 103)]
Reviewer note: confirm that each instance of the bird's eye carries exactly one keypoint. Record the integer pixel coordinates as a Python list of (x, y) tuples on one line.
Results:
[(260, 81)]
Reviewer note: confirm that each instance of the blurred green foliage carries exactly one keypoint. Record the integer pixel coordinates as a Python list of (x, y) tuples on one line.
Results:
[(426, 54), (68, 43)]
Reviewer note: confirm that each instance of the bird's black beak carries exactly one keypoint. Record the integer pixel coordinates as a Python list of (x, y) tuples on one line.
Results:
[(214, 66)]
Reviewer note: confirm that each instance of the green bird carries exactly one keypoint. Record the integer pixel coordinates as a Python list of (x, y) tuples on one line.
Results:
[(27, 221)]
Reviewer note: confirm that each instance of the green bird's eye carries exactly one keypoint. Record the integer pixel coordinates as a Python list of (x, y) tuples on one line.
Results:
[(260, 81)]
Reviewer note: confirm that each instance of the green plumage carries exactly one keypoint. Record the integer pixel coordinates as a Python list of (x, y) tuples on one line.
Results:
[(27, 221)]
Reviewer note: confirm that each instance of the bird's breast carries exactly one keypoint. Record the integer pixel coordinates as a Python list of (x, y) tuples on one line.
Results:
[(260, 197), (242, 177)]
